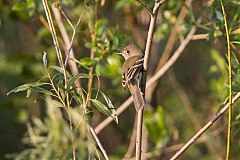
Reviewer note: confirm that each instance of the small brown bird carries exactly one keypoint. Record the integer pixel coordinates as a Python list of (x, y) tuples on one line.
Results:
[(132, 72)]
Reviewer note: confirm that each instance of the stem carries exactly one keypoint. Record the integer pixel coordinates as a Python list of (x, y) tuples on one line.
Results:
[(229, 83), (60, 59), (204, 128), (144, 78), (98, 142), (149, 11)]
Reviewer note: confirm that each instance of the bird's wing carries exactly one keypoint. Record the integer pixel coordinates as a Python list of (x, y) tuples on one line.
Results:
[(131, 67)]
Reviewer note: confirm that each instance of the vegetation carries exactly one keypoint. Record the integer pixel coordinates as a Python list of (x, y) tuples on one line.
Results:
[(61, 94)]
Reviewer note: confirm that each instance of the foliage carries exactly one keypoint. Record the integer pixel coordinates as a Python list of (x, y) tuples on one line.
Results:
[(52, 137)]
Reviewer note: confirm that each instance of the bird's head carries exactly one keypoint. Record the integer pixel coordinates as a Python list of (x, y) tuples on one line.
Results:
[(131, 50)]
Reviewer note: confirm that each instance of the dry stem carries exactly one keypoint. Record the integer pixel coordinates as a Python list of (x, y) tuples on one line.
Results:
[(204, 128)]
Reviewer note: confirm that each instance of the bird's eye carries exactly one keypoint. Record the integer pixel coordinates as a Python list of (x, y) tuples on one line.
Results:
[(128, 51)]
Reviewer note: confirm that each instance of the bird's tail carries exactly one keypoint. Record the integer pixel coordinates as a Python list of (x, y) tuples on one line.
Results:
[(137, 96)]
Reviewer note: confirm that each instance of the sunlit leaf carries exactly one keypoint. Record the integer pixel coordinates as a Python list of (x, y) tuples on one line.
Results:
[(27, 86), (45, 59), (110, 106), (103, 108), (59, 69), (78, 62), (88, 45), (87, 62), (42, 90), (219, 15), (29, 91)]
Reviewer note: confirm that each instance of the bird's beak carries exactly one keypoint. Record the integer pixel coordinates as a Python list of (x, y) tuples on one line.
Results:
[(119, 52)]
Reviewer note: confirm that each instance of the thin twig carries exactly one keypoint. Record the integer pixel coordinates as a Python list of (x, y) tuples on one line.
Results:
[(204, 128), (98, 142), (144, 77), (229, 83), (235, 48), (60, 59), (200, 36), (70, 52), (190, 112), (53, 32), (149, 11), (176, 147), (66, 39)]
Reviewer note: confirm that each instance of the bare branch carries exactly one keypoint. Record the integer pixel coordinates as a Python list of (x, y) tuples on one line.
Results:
[(74, 32), (66, 39), (204, 128), (98, 142), (149, 11), (144, 77)]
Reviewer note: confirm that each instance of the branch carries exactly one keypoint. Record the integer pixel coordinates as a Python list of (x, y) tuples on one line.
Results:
[(53, 32), (149, 11), (204, 128), (229, 83), (144, 77), (190, 111), (98, 142), (173, 148), (66, 39)]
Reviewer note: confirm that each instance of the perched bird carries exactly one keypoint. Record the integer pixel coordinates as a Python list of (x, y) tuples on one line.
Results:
[(132, 72)]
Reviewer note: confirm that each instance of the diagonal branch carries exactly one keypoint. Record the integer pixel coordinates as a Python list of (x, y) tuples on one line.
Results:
[(149, 11), (98, 142), (204, 128)]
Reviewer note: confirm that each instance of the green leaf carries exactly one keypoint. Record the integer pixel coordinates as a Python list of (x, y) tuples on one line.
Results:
[(29, 91), (107, 100), (78, 62), (103, 108), (87, 62), (59, 69), (219, 15), (26, 87), (74, 78), (45, 59), (88, 45), (41, 90)]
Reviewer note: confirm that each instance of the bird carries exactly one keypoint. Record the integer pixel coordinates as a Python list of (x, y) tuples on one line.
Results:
[(132, 73)]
